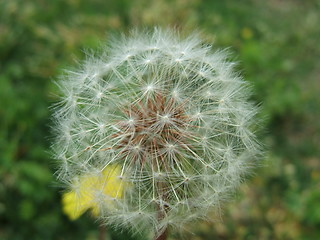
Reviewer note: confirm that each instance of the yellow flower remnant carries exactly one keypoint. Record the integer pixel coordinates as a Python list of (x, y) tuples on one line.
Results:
[(104, 186)]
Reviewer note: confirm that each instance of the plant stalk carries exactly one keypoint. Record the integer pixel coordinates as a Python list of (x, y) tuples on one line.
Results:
[(163, 235), (102, 232)]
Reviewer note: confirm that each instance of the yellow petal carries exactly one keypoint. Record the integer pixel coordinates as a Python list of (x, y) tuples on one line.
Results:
[(71, 206), (77, 201)]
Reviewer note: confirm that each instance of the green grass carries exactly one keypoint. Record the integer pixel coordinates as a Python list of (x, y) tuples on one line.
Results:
[(276, 45)]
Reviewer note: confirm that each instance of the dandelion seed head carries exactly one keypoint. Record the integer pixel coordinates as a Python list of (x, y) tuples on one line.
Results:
[(173, 118)]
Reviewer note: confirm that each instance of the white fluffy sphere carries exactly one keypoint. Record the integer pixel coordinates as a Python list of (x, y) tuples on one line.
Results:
[(174, 117)]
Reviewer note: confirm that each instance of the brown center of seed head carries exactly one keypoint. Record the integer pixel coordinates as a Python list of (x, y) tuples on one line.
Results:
[(155, 128)]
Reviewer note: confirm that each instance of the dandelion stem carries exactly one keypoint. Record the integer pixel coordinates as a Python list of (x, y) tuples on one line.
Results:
[(162, 211), (102, 232), (163, 235)]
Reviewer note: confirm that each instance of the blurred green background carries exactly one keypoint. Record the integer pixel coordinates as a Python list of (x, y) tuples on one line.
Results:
[(276, 44)]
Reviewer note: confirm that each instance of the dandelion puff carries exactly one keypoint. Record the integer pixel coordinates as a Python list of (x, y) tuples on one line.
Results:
[(170, 115)]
